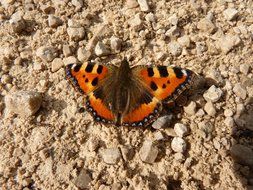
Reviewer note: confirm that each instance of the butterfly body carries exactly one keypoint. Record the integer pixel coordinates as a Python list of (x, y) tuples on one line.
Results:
[(124, 95)]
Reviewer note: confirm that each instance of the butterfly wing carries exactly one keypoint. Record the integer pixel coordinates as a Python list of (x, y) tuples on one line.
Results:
[(88, 78), (165, 83)]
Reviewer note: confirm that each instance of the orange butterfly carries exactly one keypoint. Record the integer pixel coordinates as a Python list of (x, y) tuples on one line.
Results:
[(127, 96)]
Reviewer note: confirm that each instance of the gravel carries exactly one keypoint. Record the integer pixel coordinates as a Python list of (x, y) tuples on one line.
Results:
[(162, 122), (178, 144), (148, 152), (111, 155), (213, 94), (240, 91), (180, 129)]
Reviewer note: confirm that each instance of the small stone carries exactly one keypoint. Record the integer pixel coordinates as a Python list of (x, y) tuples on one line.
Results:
[(244, 68), (111, 155), (215, 75), (229, 121), (180, 129), (70, 60), (148, 152), (200, 47), (76, 34), (170, 132), (228, 42), (173, 32), (23, 103), (115, 44), (228, 113), (213, 94), (54, 21), (150, 17), (143, 5), (127, 152), (77, 3), (57, 63), (206, 128), (136, 22), (46, 53), (101, 49), (240, 91), (66, 50), (6, 79), (83, 54), (93, 144), (162, 122), (184, 41), (173, 20), (159, 136), (242, 154), (38, 66), (178, 144), (26, 181), (206, 25), (131, 4), (230, 14), (7, 3), (190, 108), (179, 157), (175, 48), (83, 180), (210, 109), (200, 113), (17, 22)]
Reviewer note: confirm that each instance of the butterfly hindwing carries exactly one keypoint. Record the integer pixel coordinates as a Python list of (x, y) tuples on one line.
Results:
[(165, 83), (86, 77)]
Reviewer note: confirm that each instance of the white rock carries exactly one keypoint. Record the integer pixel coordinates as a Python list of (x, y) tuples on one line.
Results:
[(127, 152), (206, 25), (213, 94), (111, 155), (159, 136), (23, 103), (131, 4), (180, 129), (143, 5), (229, 121), (101, 49), (210, 109), (70, 60), (240, 91), (230, 14), (179, 157), (66, 50), (46, 53), (6, 79), (115, 44), (244, 68), (178, 144), (173, 32), (162, 122), (136, 22), (215, 74), (175, 48), (190, 108), (228, 113), (77, 3), (83, 179), (148, 152), (173, 20), (76, 34), (184, 41), (54, 21), (200, 47), (228, 42), (57, 63), (83, 54), (150, 17)]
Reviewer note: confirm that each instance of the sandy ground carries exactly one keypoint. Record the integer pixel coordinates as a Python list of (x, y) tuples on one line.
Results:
[(47, 139)]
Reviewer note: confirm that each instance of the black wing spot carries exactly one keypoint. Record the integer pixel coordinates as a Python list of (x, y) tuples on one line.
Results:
[(163, 71), (84, 76), (94, 81), (89, 68), (86, 80), (168, 81), (77, 67), (164, 86), (150, 72), (178, 72), (99, 69), (153, 86)]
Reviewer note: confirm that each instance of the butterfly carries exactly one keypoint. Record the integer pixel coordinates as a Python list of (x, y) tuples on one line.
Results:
[(128, 96)]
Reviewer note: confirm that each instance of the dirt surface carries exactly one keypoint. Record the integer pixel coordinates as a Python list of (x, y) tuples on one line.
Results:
[(47, 139)]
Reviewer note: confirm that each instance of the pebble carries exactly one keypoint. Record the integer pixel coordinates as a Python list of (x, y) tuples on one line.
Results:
[(162, 122), (93, 144), (229, 121), (111, 155), (127, 152), (173, 32), (244, 68), (210, 109), (66, 50), (173, 20), (179, 157), (77, 3), (178, 144), (190, 108), (215, 75), (143, 5), (83, 179), (175, 48), (17, 22), (115, 44), (54, 21), (184, 41), (136, 22), (57, 63), (242, 154), (101, 49), (230, 14), (150, 17), (206, 129), (213, 94), (46, 53), (83, 54), (131, 4), (180, 129), (228, 42), (76, 34), (70, 60), (6, 79), (23, 103), (240, 91), (148, 152), (206, 25), (228, 113), (200, 47), (159, 136)]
